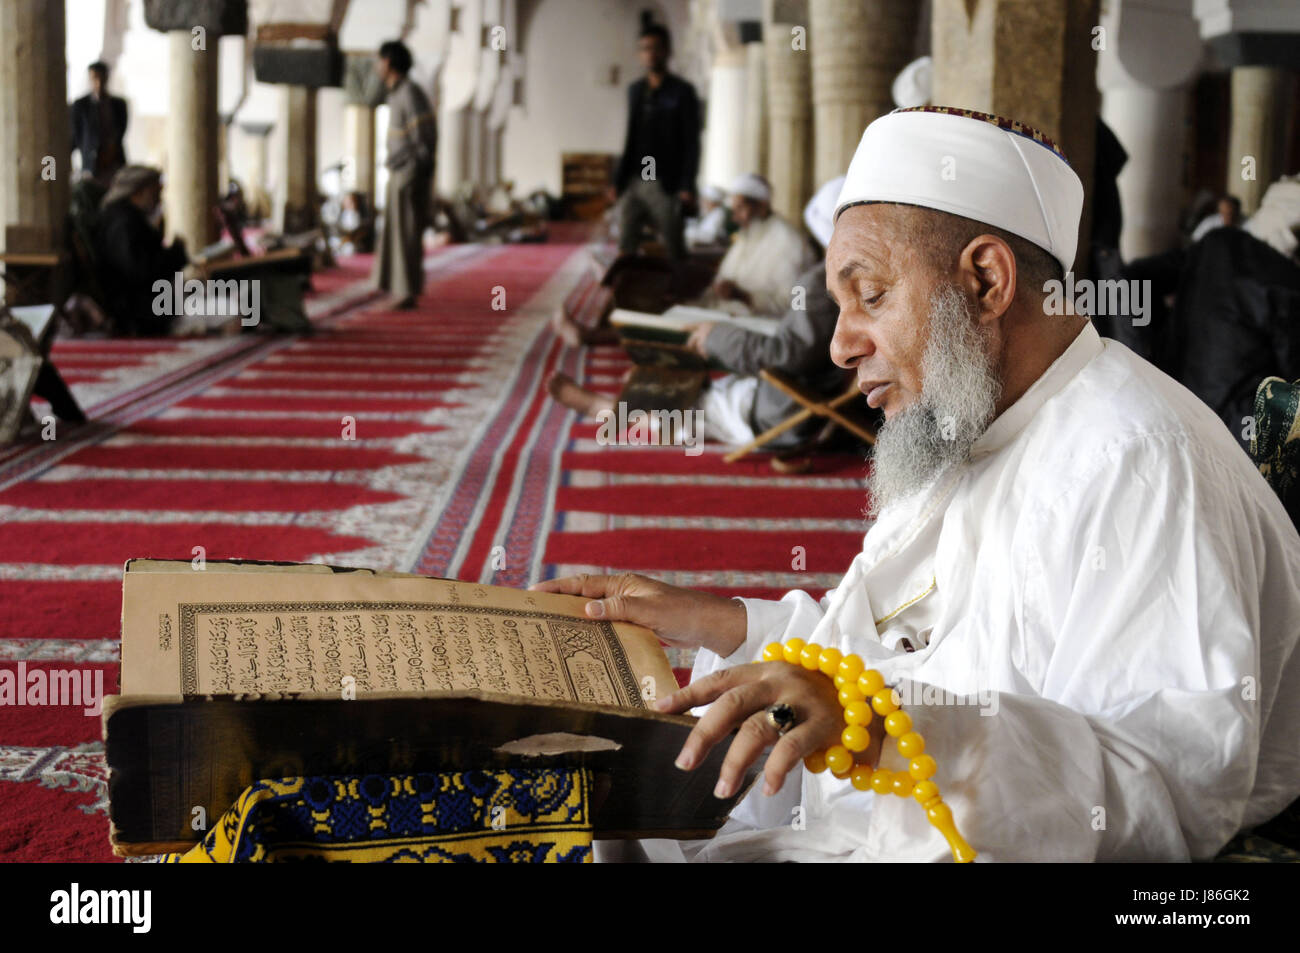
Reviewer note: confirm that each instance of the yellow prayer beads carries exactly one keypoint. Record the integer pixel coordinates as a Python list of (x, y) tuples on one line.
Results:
[(863, 695), (839, 759), (830, 662), (811, 656)]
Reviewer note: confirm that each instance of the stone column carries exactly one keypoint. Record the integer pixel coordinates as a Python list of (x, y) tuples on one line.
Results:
[(1028, 60), (789, 99), (1151, 126), (35, 158), (1258, 119), (298, 116), (254, 163), (1144, 100), (474, 146), (724, 135), (857, 47), (756, 152), (451, 171), (359, 132), (491, 157), (193, 141)]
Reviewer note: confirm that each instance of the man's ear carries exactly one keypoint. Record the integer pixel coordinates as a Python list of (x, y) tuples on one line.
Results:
[(988, 272)]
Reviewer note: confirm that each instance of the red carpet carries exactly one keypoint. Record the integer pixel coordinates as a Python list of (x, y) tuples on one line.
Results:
[(237, 445)]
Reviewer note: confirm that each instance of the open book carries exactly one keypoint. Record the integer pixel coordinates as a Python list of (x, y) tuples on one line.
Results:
[(672, 325), (242, 671)]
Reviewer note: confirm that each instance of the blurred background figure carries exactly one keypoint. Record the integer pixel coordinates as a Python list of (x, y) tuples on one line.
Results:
[(98, 127), (655, 180), (131, 255), (710, 226)]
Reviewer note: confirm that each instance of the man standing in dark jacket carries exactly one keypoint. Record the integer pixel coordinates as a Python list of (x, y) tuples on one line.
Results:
[(98, 127), (661, 153)]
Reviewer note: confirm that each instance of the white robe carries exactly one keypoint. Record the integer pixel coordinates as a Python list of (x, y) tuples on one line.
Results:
[(1114, 575), (765, 258)]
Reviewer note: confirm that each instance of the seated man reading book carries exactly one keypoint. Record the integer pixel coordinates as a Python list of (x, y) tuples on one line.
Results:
[(1077, 582), (739, 406), (757, 275)]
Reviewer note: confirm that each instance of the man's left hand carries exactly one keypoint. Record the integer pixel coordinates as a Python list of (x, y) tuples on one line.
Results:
[(699, 335), (740, 697)]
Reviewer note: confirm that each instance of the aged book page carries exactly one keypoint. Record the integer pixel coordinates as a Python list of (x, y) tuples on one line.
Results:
[(240, 629)]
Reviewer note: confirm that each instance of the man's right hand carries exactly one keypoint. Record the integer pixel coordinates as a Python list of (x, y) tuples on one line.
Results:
[(680, 617)]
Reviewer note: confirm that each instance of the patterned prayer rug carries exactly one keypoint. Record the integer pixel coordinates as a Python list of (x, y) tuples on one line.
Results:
[(493, 817)]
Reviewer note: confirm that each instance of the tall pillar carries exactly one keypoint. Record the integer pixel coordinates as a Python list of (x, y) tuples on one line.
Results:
[(1029, 60), (491, 157), (474, 130), (193, 146), (724, 136), (857, 47), (223, 157), (1144, 101), (359, 132), (35, 158), (254, 164), (756, 154), (1151, 125), (298, 117), (789, 113), (1258, 95), (451, 170)]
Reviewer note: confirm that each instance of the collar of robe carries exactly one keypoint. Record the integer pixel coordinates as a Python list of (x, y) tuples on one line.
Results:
[(1014, 419)]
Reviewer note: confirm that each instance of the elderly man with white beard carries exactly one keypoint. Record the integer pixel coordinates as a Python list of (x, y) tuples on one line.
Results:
[(1083, 591)]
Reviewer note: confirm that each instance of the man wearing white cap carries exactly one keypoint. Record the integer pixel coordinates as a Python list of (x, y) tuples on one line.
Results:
[(740, 405), (710, 228), (1078, 584), (765, 258)]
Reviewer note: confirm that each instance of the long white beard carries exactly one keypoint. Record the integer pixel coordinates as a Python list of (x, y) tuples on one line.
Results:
[(959, 395)]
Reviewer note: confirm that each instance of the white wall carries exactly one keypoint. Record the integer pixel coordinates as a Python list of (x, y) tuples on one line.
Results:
[(570, 105)]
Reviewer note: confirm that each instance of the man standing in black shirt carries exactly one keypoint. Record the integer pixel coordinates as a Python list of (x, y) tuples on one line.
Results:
[(98, 127), (661, 155)]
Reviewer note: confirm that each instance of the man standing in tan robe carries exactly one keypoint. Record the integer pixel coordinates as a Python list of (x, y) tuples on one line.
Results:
[(412, 147)]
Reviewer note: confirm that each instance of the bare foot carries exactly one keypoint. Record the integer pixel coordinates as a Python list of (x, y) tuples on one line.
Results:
[(564, 389), (566, 329)]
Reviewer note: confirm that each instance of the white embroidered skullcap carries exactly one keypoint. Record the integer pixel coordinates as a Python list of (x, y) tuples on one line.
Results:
[(751, 186), (819, 214), (711, 193), (912, 85), (993, 170)]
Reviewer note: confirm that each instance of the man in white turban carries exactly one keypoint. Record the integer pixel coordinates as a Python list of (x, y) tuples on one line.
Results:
[(710, 227), (768, 253), (1077, 583)]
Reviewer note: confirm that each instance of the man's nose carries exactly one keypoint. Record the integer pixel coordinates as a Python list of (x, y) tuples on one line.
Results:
[(850, 345)]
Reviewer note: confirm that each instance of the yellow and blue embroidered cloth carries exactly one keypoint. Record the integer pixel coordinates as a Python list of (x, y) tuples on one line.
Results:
[(530, 816)]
